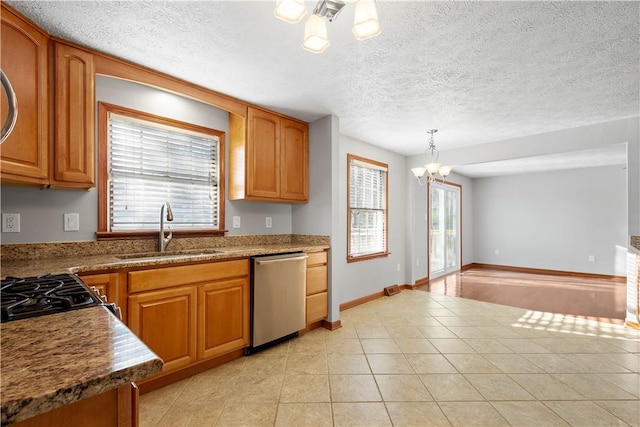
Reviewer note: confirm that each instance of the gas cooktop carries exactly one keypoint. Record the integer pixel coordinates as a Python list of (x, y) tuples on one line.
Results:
[(25, 297)]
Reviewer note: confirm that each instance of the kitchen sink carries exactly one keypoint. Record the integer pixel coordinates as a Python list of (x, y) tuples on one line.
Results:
[(169, 254)]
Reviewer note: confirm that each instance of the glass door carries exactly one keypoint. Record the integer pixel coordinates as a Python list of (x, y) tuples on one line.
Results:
[(444, 229)]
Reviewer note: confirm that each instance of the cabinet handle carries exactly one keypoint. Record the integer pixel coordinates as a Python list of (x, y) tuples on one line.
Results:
[(273, 261), (12, 107)]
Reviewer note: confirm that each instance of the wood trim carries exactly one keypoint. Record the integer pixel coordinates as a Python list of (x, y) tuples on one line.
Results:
[(358, 301), (350, 158), (362, 300), (111, 66), (150, 234), (332, 326), (421, 282), (610, 278), (632, 324), (162, 380), (103, 232)]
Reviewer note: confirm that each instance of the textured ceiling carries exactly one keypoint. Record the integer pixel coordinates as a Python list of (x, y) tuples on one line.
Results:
[(477, 71)]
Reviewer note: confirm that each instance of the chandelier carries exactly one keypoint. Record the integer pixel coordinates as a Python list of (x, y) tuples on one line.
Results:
[(431, 166), (365, 25)]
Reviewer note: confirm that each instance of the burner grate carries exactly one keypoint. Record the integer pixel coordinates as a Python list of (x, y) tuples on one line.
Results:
[(25, 297)]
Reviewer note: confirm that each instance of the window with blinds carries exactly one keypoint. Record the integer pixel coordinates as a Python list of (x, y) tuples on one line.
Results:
[(367, 209), (152, 160)]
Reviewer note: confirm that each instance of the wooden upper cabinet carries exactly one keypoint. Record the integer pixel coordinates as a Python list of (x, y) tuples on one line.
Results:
[(263, 154), (24, 154), (268, 158), (47, 146), (74, 142), (294, 155)]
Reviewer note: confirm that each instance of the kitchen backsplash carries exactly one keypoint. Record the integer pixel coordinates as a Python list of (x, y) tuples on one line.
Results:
[(30, 251)]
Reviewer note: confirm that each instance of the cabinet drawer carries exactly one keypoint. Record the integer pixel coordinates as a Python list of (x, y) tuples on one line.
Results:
[(316, 258), (317, 307), (316, 279), (167, 277)]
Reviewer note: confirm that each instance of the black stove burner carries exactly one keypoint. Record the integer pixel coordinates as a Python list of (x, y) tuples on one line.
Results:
[(24, 297)]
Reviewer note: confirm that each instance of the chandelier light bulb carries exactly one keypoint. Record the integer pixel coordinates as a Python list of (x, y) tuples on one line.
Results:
[(419, 172), (315, 34), (291, 11), (366, 23)]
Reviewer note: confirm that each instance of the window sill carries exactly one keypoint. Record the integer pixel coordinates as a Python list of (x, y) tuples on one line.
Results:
[(368, 257), (151, 234)]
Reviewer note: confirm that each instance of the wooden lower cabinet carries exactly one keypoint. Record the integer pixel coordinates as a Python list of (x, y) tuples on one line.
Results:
[(113, 408), (206, 313), (223, 317), (317, 287), (165, 320)]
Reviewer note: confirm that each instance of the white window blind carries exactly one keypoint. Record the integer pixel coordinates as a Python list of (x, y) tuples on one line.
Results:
[(150, 163), (367, 208)]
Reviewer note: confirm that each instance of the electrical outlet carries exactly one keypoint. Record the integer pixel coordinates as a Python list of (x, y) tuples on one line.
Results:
[(236, 222), (417, 262), (497, 252), (398, 267), (268, 222), (71, 222), (592, 258), (10, 222)]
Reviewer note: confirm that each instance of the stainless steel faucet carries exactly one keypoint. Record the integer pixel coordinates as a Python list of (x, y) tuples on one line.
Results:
[(162, 240)]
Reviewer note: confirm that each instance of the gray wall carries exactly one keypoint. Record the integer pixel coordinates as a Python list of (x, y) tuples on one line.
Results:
[(41, 211), (553, 220), (315, 217), (358, 279)]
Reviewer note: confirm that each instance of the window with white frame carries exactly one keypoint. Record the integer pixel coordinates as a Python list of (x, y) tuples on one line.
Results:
[(367, 209), (150, 160)]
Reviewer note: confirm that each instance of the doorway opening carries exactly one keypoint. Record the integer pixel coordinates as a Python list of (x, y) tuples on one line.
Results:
[(444, 208)]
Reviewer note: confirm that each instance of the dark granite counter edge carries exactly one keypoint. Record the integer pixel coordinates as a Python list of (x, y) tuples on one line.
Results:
[(15, 411)]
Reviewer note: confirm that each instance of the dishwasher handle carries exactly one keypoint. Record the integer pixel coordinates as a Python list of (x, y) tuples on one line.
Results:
[(273, 261)]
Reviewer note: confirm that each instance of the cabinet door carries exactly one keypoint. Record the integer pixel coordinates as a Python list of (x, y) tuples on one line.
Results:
[(74, 143), (316, 279), (317, 308), (263, 155), (165, 321), (24, 154), (223, 317), (294, 155)]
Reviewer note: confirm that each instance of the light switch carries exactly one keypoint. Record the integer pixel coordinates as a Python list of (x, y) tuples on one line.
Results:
[(236, 222), (268, 222)]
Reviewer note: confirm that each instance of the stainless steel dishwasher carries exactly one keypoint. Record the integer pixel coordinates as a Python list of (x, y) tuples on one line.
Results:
[(278, 290)]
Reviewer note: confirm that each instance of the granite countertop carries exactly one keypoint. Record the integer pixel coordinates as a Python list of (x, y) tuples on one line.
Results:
[(85, 264), (54, 360)]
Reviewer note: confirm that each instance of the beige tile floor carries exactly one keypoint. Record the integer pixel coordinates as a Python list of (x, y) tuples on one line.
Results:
[(422, 359)]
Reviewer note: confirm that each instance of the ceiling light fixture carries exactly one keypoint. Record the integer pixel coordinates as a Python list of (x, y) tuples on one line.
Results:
[(365, 26), (431, 166)]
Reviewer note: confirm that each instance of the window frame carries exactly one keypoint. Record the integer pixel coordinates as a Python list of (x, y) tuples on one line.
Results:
[(385, 252), (103, 232)]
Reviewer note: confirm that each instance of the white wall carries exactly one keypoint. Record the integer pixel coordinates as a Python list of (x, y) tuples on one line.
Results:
[(554, 220), (41, 210), (357, 279)]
